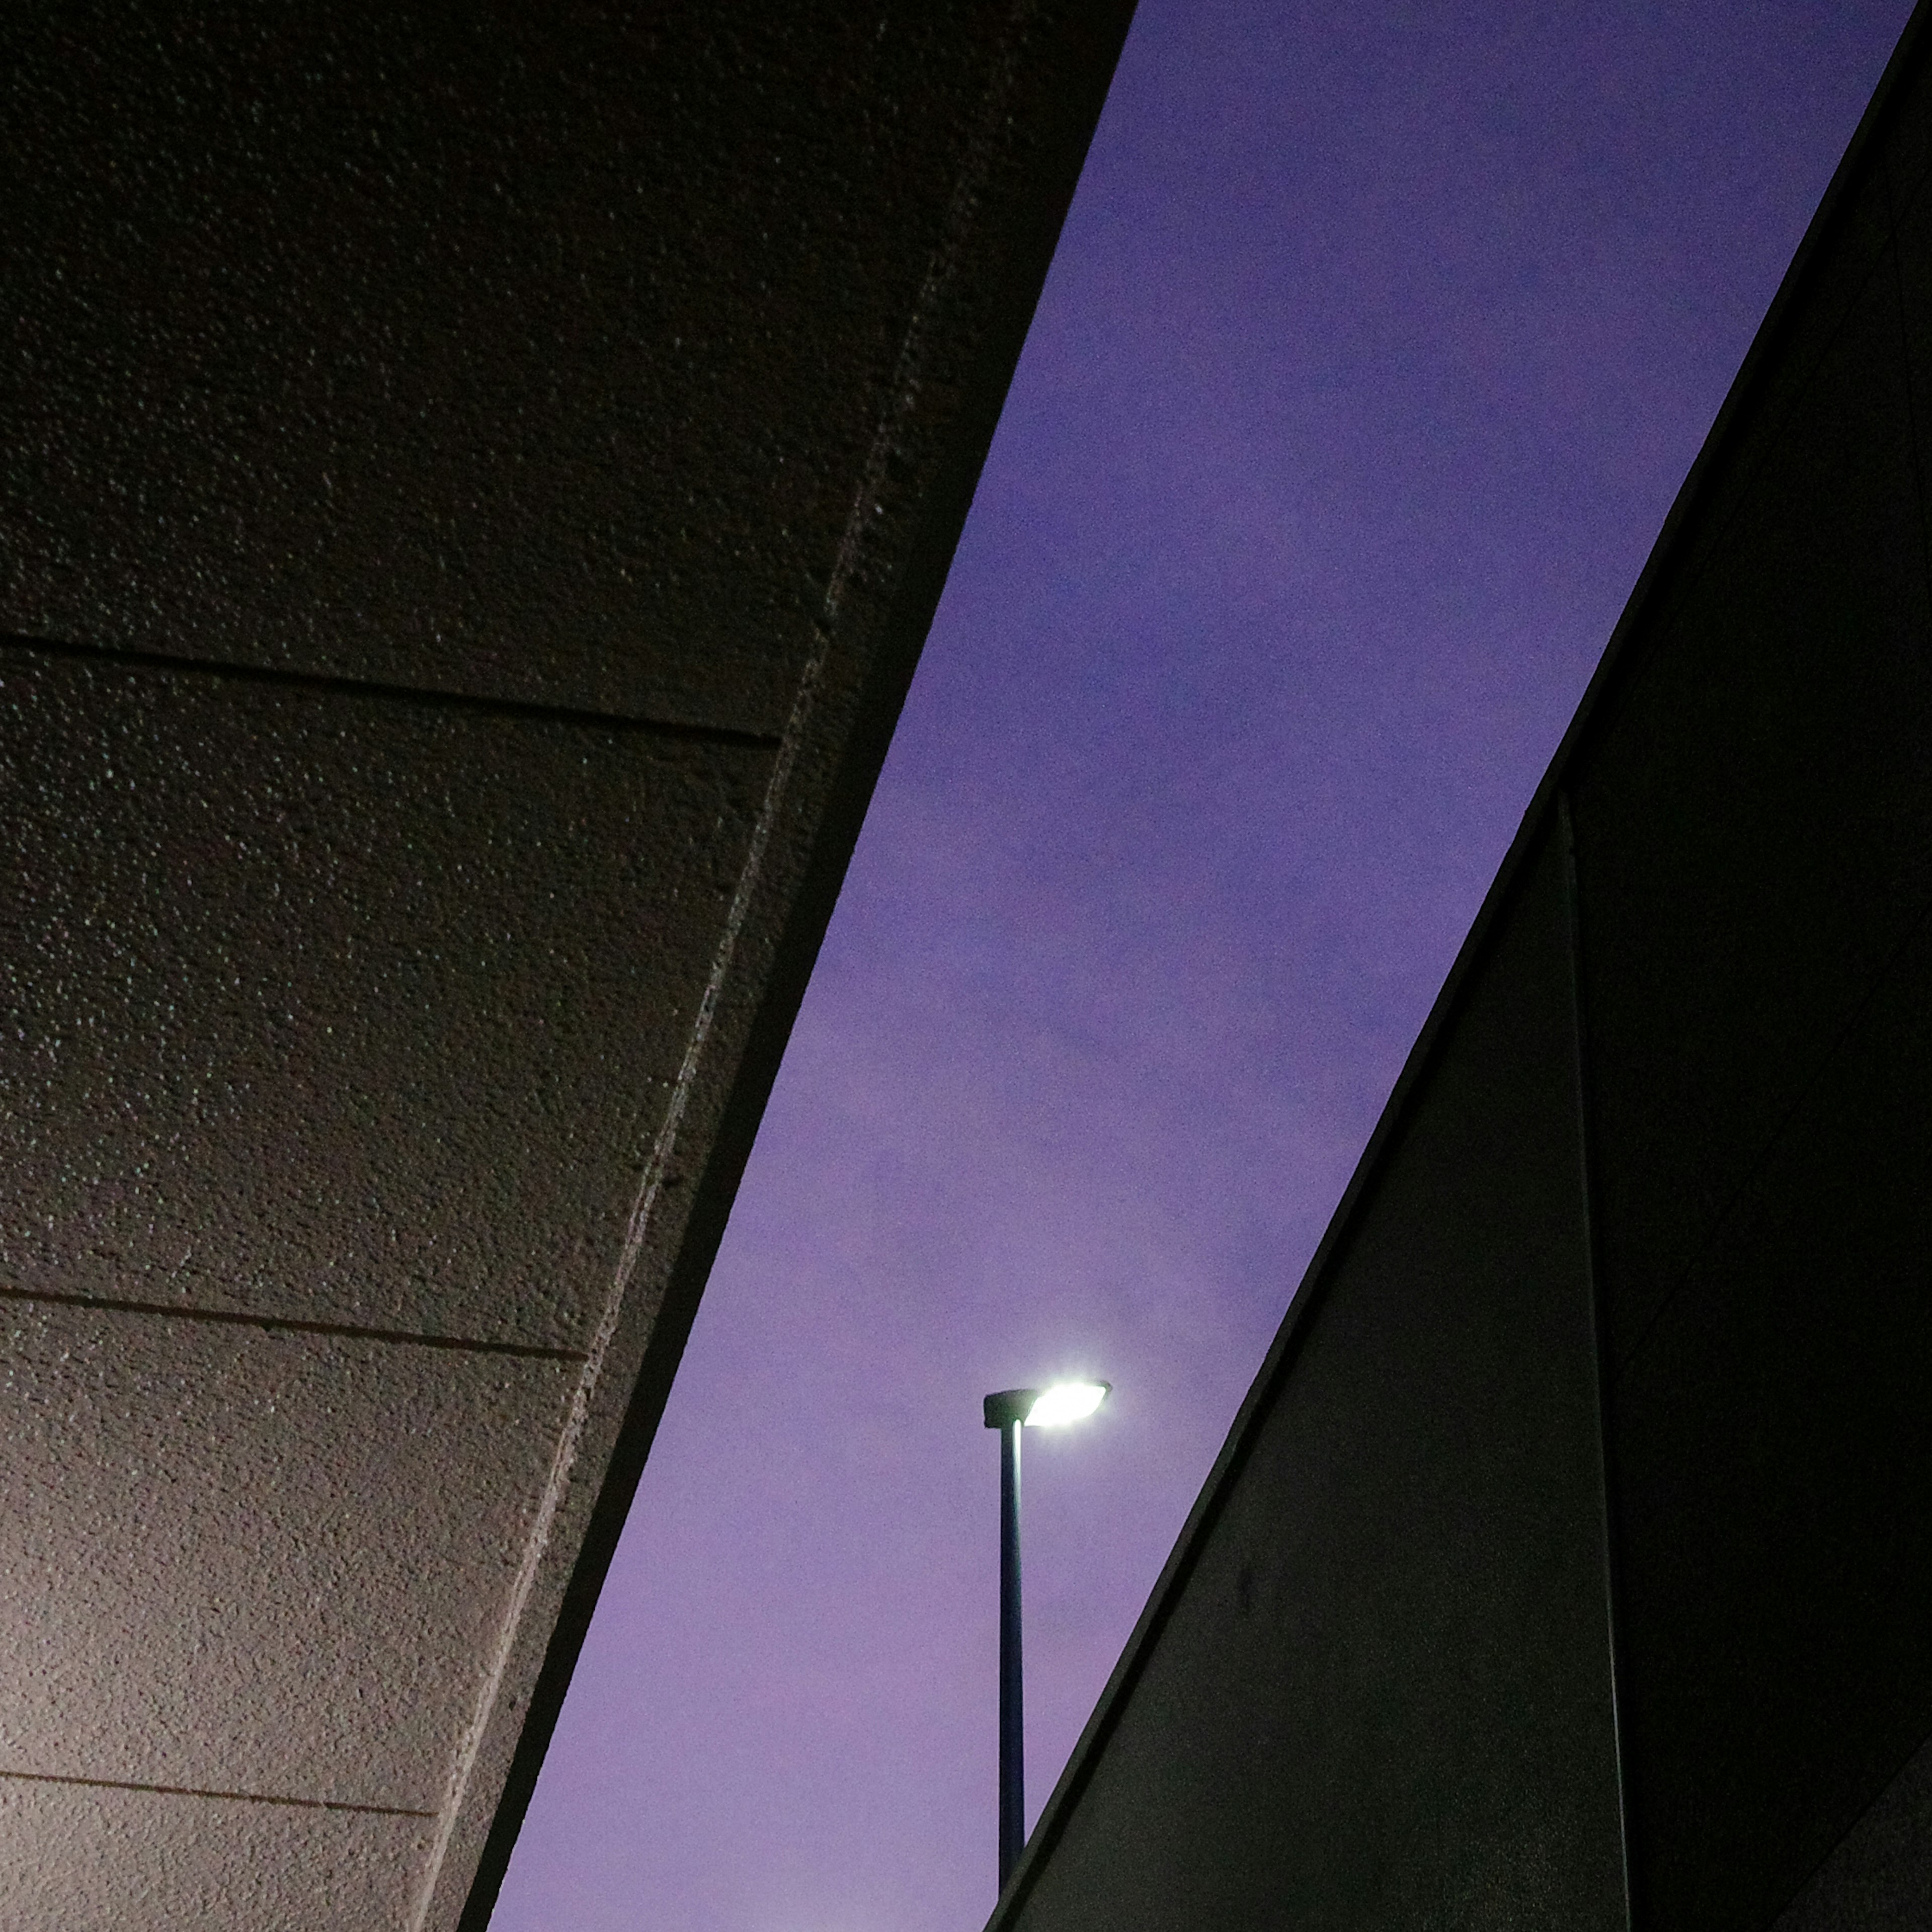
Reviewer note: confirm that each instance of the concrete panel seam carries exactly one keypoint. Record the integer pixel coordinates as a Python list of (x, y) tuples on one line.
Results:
[(341, 1331), (1599, 1332), (425, 696), (221, 1797)]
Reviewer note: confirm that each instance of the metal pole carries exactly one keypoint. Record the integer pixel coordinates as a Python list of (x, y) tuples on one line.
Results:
[(1012, 1765)]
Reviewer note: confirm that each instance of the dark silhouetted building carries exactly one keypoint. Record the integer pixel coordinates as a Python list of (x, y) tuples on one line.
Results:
[(1569, 1563)]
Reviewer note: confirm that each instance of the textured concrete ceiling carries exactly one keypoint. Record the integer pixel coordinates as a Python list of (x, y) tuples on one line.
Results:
[(475, 484)]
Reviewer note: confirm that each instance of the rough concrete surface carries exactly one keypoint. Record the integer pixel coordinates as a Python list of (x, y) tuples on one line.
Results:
[(92, 1856), (414, 979), (248, 1560), (473, 485)]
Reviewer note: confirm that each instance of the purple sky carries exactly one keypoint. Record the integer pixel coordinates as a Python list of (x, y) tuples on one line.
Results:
[(1378, 341)]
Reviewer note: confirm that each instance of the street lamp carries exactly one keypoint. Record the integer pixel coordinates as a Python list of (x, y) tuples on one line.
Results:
[(1007, 1411)]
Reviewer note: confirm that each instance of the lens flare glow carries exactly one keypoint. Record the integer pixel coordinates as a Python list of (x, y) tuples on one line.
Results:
[(1066, 1402)]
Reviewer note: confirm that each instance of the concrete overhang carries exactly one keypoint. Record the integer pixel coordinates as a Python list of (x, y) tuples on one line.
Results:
[(476, 481)]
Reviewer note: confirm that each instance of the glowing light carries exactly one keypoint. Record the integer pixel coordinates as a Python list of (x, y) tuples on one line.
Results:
[(1066, 1402)]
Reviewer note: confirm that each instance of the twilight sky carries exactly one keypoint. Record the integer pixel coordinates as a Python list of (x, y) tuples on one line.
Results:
[(1379, 341)]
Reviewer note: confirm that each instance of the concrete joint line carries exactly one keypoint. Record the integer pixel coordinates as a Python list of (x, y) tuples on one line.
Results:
[(222, 1797), (424, 697), (282, 1324)]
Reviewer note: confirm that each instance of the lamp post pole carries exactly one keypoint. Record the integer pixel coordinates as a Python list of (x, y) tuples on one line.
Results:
[(1009, 1411), (1012, 1713), (1006, 1411)]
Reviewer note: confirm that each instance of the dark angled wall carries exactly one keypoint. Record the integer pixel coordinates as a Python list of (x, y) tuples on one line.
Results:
[(1754, 807), (1568, 1563), (1384, 1696)]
